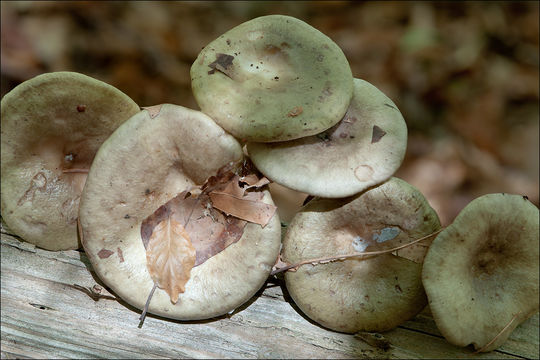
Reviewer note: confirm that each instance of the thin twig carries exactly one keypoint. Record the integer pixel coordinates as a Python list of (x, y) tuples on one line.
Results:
[(483, 348), (94, 292), (145, 310), (346, 256)]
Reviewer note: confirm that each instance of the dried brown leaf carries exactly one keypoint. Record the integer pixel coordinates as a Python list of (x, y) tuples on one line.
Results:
[(233, 187), (253, 181), (247, 207), (223, 64), (170, 256), (210, 230), (153, 111), (220, 180)]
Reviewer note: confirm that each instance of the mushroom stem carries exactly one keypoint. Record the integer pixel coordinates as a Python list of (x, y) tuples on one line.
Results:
[(145, 310), (483, 348), (346, 256), (84, 171)]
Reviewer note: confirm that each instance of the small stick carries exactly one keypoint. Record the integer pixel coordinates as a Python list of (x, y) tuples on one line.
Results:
[(346, 256), (145, 310), (94, 292), (483, 348), (84, 171)]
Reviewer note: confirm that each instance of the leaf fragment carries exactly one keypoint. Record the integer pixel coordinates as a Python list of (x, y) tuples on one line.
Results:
[(377, 134), (170, 256), (153, 111), (222, 64), (247, 207), (253, 181), (232, 197)]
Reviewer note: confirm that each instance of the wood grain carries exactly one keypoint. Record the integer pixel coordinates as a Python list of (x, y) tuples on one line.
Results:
[(47, 314)]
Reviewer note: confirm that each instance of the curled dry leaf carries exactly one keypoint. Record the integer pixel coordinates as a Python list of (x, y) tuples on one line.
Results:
[(233, 199), (249, 208), (253, 181), (170, 257)]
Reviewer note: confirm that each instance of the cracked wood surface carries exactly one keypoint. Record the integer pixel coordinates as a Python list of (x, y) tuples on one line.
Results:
[(52, 308)]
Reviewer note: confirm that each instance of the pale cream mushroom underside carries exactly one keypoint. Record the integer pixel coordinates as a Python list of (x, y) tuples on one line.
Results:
[(155, 155), (481, 272), (52, 126), (370, 294), (364, 149), (273, 78)]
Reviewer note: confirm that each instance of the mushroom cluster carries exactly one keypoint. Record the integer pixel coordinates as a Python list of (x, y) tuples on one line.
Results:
[(176, 215)]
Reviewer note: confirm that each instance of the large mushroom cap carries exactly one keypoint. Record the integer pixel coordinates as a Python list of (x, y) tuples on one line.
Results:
[(273, 78), (154, 156), (370, 294), (482, 271), (52, 126), (365, 148)]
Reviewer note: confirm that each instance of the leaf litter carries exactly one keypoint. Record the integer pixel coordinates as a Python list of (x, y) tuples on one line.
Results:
[(200, 223)]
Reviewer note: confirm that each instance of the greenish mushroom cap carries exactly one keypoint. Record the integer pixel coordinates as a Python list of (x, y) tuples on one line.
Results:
[(52, 126), (364, 149), (370, 294), (481, 272), (273, 78), (155, 155)]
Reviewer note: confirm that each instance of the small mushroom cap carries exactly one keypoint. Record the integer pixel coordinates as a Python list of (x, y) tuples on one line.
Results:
[(482, 270), (154, 156), (53, 123), (370, 294), (364, 149), (273, 78)]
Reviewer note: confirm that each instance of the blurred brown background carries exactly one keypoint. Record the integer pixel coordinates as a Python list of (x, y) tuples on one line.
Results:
[(465, 75)]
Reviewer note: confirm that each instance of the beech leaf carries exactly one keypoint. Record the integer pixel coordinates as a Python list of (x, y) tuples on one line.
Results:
[(170, 256)]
